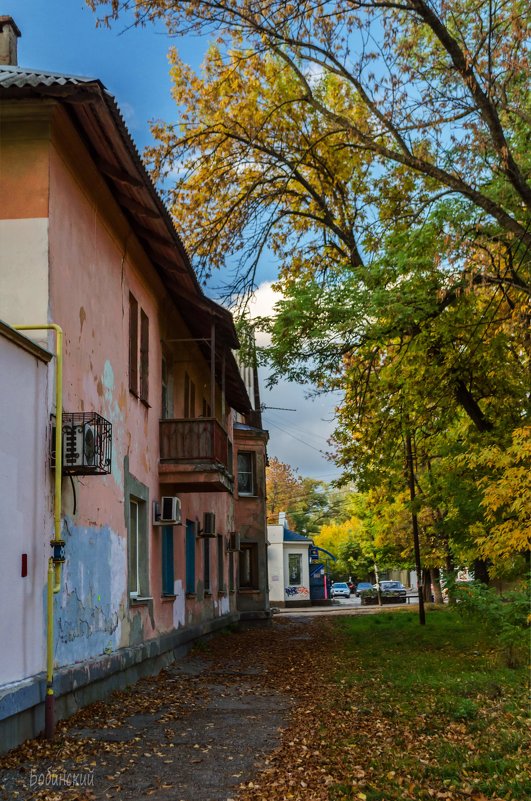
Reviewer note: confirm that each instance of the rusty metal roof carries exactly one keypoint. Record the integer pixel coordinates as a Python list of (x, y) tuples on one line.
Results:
[(97, 118)]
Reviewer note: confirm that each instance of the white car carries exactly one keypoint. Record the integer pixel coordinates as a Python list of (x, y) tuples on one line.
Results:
[(340, 589)]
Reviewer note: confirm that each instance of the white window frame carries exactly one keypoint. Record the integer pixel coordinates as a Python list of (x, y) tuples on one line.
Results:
[(134, 559)]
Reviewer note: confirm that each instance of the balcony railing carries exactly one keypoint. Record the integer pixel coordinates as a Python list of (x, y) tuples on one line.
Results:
[(198, 440)]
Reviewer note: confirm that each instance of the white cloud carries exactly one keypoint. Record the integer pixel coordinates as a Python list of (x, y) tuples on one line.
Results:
[(298, 438), (261, 305)]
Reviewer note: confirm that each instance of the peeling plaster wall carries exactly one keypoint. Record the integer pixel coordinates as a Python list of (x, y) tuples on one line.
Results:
[(95, 262), (90, 609), (92, 267)]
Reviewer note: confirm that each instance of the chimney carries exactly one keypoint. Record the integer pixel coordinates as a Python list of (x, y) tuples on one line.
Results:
[(9, 34)]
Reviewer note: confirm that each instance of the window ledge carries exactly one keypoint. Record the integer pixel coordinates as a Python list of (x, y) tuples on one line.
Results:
[(222, 593), (190, 595), (167, 597), (249, 590), (140, 600), (207, 594)]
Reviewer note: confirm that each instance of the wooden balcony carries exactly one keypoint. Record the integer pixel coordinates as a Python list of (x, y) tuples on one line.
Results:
[(195, 455)]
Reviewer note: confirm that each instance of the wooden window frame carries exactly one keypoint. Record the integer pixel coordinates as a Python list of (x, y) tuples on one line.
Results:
[(133, 344), (248, 572), (251, 472), (144, 357)]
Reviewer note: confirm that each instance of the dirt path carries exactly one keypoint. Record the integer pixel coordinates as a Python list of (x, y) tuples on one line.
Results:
[(207, 729)]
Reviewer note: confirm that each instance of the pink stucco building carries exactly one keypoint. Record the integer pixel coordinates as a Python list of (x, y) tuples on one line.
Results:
[(87, 244)]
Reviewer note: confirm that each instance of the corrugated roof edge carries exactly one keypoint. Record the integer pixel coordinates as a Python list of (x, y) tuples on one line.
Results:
[(17, 70)]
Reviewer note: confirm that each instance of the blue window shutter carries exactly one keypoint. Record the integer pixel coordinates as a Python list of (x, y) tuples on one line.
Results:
[(190, 556), (167, 561)]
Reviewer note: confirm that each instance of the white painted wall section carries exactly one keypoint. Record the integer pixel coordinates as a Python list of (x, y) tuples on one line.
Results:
[(24, 272), (26, 521)]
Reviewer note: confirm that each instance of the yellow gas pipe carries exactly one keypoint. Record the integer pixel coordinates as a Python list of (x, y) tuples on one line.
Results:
[(54, 567)]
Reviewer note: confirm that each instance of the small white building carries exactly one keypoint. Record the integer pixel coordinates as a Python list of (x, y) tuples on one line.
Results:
[(288, 566)]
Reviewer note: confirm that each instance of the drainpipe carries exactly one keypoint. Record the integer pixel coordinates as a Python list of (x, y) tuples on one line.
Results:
[(55, 561)]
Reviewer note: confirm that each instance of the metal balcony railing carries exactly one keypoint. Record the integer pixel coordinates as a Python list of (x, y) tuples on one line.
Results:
[(198, 440)]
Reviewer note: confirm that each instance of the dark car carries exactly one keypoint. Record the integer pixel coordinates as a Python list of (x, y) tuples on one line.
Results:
[(393, 591), (363, 586)]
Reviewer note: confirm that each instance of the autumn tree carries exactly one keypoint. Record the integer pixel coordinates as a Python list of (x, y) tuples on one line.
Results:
[(379, 151), (307, 502), (341, 138), (283, 487), (337, 119)]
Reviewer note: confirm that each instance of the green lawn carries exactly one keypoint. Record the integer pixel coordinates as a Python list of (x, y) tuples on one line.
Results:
[(428, 712)]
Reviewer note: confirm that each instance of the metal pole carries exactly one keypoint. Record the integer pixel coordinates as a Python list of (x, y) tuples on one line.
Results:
[(378, 591)]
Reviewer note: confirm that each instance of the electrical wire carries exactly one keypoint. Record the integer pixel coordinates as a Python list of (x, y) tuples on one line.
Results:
[(285, 431)]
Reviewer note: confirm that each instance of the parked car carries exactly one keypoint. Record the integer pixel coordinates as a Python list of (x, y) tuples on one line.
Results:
[(363, 586), (393, 590), (340, 589)]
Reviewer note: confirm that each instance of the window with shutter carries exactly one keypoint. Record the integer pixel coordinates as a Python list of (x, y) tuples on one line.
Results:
[(133, 344)]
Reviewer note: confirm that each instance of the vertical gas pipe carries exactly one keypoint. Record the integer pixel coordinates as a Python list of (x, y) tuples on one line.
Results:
[(56, 560)]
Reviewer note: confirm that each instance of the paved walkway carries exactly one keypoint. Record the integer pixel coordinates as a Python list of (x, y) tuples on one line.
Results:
[(195, 732)]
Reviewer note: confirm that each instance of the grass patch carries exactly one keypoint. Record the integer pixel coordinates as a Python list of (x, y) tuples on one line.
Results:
[(431, 711)]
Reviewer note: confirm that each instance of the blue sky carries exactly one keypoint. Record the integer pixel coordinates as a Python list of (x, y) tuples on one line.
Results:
[(62, 36)]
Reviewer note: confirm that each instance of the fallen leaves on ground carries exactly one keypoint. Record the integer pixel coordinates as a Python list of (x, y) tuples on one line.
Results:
[(337, 744)]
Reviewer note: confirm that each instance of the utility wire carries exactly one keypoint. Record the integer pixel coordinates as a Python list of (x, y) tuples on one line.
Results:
[(303, 431), (285, 431)]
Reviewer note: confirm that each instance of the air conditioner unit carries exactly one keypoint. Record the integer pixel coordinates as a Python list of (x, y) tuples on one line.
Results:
[(234, 541), (79, 446), (86, 444), (209, 525), (167, 512)]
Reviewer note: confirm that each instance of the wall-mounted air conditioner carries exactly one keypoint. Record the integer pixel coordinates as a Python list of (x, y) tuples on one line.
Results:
[(234, 541), (79, 445), (209, 525), (167, 512), (87, 444)]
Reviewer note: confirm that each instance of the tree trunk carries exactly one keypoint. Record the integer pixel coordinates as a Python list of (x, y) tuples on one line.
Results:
[(436, 584), (481, 571), (415, 525), (426, 585)]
